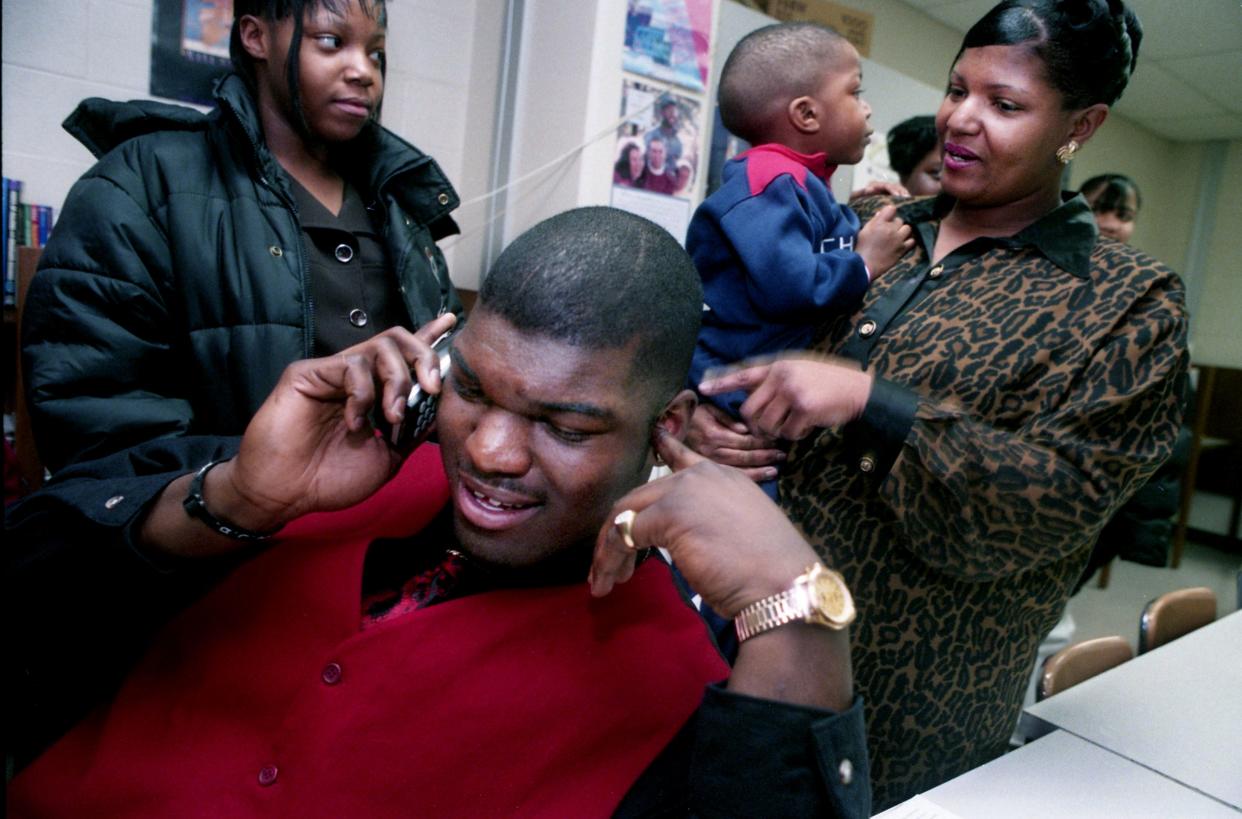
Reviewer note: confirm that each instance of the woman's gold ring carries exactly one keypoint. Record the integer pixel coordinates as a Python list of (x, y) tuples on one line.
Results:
[(625, 527)]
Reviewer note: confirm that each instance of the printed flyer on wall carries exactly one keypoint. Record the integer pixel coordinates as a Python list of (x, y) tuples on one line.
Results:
[(668, 40), (658, 143)]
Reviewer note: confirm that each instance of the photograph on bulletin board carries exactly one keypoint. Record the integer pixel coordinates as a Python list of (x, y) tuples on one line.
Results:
[(656, 160), (658, 143), (668, 40), (189, 48)]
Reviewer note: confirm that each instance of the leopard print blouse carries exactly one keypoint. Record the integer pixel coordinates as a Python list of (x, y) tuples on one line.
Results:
[(1025, 387)]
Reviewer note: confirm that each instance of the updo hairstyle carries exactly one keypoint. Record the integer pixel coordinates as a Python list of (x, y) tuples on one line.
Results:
[(1089, 47)]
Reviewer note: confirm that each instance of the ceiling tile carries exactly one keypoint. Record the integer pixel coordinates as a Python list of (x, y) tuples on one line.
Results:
[(960, 14), (1184, 28), (1218, 76), (1194, 129), (1155, 93)]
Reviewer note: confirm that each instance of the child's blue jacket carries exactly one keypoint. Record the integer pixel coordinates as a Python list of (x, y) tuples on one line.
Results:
[(775, 251)]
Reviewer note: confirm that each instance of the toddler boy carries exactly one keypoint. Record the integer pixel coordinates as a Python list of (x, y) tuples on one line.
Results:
[(774, 249)]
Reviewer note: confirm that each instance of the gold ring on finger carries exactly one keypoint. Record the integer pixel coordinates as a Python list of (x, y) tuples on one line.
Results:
[(625, 527)]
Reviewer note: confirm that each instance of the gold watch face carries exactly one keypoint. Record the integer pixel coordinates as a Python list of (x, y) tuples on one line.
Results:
[(831, 602)]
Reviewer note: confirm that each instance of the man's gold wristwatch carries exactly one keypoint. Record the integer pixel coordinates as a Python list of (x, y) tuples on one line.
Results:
[(819, 597)]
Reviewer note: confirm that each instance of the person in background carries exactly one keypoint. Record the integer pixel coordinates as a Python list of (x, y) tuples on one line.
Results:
[(199, 257), (965, 434), (1142, 530), (775, 250), (205, 252), (1115, 201), (914, 153), (491, 632), (627, 171)]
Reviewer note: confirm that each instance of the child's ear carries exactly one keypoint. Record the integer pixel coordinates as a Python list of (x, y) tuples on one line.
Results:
[(256, 36), (803, 114)]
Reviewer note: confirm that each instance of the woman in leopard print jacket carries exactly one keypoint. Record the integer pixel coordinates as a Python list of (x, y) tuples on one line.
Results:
[(962, 438)]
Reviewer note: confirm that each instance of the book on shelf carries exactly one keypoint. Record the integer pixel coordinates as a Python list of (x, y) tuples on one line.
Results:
[(26, 224)]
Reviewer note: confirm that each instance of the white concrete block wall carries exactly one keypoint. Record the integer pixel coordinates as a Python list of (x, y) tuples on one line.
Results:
[(58, 52)]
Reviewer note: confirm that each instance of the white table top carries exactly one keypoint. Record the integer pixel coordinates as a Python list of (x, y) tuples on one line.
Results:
[(1176, 710), (1060, 775)]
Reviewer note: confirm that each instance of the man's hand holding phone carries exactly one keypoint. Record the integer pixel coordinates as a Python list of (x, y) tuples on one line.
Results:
[(320, 415), (420, 404)]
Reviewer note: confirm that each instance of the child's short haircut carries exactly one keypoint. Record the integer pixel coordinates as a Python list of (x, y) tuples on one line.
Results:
[(768, 68)]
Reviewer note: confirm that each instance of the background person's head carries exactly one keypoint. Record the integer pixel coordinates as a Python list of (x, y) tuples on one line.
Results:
[(1115, 200), (1032, 77), (914, 153), (320, 62), (796, 84), (576, 351)]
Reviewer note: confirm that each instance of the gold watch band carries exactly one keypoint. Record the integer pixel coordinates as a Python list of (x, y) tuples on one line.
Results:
[(770, 612), (819, 597)]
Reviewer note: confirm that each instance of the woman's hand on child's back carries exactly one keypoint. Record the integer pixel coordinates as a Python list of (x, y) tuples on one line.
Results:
[(884, 240)]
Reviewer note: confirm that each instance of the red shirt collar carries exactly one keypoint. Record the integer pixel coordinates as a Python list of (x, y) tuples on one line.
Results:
[(816, 163)]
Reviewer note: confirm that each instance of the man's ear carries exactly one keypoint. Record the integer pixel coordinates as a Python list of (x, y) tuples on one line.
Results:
[(803, 115), (674, 419), (1087, 121), (256, 36)]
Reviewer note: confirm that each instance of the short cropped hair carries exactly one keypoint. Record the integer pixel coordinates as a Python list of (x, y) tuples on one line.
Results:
[(768, 68), (909, 141), (599, 278)]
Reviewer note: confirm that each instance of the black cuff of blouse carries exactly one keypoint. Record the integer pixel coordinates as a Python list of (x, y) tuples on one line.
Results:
[(874, 440), (779, 759)]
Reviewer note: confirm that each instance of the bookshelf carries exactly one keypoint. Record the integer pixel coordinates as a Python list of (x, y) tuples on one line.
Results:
[(30, 468)]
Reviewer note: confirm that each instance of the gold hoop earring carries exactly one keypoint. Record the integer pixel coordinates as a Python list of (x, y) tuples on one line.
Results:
[(1066, 152)]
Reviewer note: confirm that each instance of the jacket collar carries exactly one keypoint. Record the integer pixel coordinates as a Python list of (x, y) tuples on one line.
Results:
[(1066, 235), (372, 161), (815, 163)]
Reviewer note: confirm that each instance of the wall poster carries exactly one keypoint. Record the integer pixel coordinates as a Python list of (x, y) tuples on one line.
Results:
[(189, 48), (668, 40), (657, 153)]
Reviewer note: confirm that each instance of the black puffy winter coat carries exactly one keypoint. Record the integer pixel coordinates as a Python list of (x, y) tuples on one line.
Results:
[(174, 289)]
